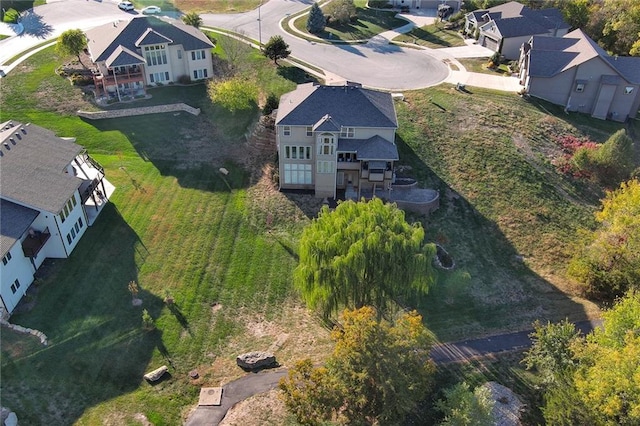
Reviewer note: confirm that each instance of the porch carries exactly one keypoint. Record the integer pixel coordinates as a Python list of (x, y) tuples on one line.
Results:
[(95, 189), (34, 242), (119, 83)]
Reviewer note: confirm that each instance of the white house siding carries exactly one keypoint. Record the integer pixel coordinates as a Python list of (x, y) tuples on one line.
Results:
[(20, 268), (178, 61), (200, 64), (65, 228), (298, 138)]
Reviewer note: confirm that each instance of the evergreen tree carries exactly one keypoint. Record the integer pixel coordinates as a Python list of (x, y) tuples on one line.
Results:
[(317, 21), (276, 48)]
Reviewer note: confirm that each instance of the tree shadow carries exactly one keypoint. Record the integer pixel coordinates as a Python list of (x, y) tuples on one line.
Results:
[(34, 25), (491, 289), (95, 333), (297, 75), (177, 313)]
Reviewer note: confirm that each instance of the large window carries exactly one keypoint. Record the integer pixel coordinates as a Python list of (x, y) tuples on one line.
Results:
[(200, 74), (297, 152), (297, 174), (326, 145), (159, 77), (325, 167), (68, 208), (155, 55)]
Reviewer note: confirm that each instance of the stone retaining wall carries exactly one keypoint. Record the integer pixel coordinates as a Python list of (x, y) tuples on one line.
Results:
[(20, 329), (129, 112)]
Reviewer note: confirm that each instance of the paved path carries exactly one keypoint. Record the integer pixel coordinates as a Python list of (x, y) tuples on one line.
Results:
[(444, 353)]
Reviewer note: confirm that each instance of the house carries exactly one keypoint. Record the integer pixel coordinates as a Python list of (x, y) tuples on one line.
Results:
[(145, 51), (424, 4), (505, 27), (573, 71), (334, 138), (51, 190)]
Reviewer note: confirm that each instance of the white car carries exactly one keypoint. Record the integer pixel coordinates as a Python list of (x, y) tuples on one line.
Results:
[(125, 5), (151, 10)]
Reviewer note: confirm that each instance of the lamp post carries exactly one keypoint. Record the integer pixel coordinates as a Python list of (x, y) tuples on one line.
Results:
[(260, 26)]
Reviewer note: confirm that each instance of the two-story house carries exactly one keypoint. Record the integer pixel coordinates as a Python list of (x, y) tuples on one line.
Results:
[(505, 27), (130, 55), (334, 138), (50, 191)]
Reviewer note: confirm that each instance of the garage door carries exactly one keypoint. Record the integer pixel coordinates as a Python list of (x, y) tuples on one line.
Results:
[(490, 43)]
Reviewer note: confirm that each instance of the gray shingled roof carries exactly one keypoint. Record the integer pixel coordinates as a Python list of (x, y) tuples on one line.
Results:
[(123, 56), (152, 37), (552, 55), (326, 124), (33, 167), (348, 106), (506, 10), (103, 40), (14, 221), (520, 26), (374, 148)]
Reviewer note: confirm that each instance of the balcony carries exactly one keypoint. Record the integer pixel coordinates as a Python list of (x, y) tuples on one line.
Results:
[(34, 242)]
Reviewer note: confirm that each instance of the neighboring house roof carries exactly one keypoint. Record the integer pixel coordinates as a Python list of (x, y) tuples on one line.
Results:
[(33, 167), (123, 56), (347, 106), (549, 56), (517, 27), (102, 41), (374, 148), (14, 221), (506, 10)]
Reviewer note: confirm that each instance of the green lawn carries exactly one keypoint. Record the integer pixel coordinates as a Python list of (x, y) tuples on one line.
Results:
[(433, 36), (370, 23), (225, 249)]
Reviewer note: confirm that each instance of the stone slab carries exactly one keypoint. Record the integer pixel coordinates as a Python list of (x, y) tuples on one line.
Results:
[(210, 396)]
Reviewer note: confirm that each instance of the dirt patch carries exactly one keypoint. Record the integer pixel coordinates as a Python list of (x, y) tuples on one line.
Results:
[(259, 410)]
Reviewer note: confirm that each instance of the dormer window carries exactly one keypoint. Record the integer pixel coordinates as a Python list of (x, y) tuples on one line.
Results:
[(579, 87)]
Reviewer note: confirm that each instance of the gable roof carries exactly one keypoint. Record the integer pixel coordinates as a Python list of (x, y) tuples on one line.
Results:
[(123, 56), (102, 41), (511, 9), (552, 55), (347, 106), (518, 26), (14, 221), (33, 164), (514, 19)]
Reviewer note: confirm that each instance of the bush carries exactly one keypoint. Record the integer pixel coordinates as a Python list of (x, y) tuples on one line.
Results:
[(11, 16), (495, 58), (80, 80), (271, 104), (184, 79)]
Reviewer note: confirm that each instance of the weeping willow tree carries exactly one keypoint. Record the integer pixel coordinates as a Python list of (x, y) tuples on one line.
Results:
[(362, 254)]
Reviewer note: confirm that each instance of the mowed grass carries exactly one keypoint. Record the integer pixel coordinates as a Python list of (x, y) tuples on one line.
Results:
[(433, 36), (174, 225), (370, 22)]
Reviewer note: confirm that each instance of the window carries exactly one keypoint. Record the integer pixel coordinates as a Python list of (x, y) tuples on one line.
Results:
[(179, 54), (286, 130), (347, 132), (297, 152), (309, 131), (6, 258), (15, 286), (159, 77), (73, 233), (80, 222), (325, 167), (69, 240), (200, 74), (297, 174), (326, 146), (580, 87), (155, 55), (628, 90), (68, 208), (196, 55), (77, 227)]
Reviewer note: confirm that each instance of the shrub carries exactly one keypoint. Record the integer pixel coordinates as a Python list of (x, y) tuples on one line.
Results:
[(495, 58), (11, 16), (184, 79), (80, 80), (271, 104), (148, 323)]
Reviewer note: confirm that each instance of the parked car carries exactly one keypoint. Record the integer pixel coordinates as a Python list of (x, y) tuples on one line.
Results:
[(444, 10), (151, 10), (125, 5)]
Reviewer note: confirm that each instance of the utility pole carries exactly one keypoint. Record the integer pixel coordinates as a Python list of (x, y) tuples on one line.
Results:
[(260, 26)]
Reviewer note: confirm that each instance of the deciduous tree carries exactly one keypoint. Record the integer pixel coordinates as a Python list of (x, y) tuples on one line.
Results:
[(276, 48), (377, 374), (236, 93), (608, 261), (72, 42), (342, 11), (362, 253), (463, 407)]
